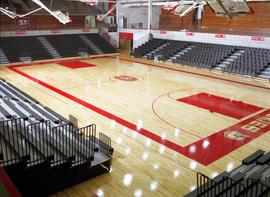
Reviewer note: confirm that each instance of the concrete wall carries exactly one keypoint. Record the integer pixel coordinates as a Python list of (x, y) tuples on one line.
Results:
[(45, 32), (238, 40), (136, 15)]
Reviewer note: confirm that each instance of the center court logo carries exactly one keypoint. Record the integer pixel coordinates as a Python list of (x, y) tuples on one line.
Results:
[(235, 135), (126, 78)]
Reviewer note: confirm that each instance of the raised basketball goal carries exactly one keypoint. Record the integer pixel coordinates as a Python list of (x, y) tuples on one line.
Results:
[(228, 8), (61, 17)]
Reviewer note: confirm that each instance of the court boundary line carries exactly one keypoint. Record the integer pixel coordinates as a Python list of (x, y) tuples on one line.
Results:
[(194, 73), (199, 155)]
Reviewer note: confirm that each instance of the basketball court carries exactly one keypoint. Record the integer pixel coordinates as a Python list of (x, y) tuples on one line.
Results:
[(117, 64), (163, 131)]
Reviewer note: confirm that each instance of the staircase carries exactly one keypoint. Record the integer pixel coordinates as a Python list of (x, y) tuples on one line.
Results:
[(266, 73), (49, 48), (91, 44), (3, 57), (156, 50), (180, 53), (229, 60), (26, 59)]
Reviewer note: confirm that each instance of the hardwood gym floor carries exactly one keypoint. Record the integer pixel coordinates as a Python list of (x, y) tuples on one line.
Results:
[(166, 122)]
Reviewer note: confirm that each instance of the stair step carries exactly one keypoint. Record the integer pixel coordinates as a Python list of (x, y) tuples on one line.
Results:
[(3, 57), (49, 47), (91, 44)]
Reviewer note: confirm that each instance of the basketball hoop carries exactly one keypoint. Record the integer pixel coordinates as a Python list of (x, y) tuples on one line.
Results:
[(99, 17), (167, 7), (91, 3)]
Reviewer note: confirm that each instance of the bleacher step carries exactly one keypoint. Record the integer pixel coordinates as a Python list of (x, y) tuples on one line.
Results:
[(91, 44), (265, 74), (228, 61), (180, 53), (3, 57), (156, 50), (49, 47)]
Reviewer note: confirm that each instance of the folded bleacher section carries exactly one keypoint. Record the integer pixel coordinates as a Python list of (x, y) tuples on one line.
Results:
[(33, 48), (251, 179), (247, 61), (41, 151)]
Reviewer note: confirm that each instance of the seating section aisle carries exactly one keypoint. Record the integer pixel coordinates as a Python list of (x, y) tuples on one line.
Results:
[(37, 143), (101, 43), (254, 62), (251, 179), (33, 48)]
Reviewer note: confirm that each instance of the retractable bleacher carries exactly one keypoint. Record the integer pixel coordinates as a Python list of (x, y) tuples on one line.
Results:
[(246, 61), (251, 179), (17, 49), (45, 47), (37, 143)]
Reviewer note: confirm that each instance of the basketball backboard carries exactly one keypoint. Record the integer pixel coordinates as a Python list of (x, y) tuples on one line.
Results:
[(229, 8)]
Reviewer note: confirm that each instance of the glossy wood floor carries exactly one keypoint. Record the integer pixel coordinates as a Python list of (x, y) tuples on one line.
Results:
[(154, 160)]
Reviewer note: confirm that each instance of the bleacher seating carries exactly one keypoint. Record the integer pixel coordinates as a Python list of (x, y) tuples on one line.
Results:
[(37, 143), (148, 47), (69, 45), (16, 48), (251, 179), (101, 43), (33, 48), (254, 62)]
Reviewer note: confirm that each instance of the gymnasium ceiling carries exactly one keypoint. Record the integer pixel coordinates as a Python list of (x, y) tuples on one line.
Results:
[(70, 7)]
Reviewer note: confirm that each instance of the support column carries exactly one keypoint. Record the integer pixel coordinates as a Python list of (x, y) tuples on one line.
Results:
[(117, 25), (149, 16)]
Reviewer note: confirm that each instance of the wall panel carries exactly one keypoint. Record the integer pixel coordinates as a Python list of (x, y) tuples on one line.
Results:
[(41, 22)]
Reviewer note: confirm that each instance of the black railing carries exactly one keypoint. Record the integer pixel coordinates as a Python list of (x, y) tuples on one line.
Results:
[(38, 135), (39, 143), (231, 187), (226, 187), (13, 144), (206, 187), (86, 142), (105, 144), (257, 188), (62, 140)]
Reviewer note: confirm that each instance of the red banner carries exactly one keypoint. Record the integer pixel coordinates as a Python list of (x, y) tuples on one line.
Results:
[(257, 38), (20, 33), (86, 30), (126, 35), (190, 34), (55, 31), (163, 32), (220, 36)]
